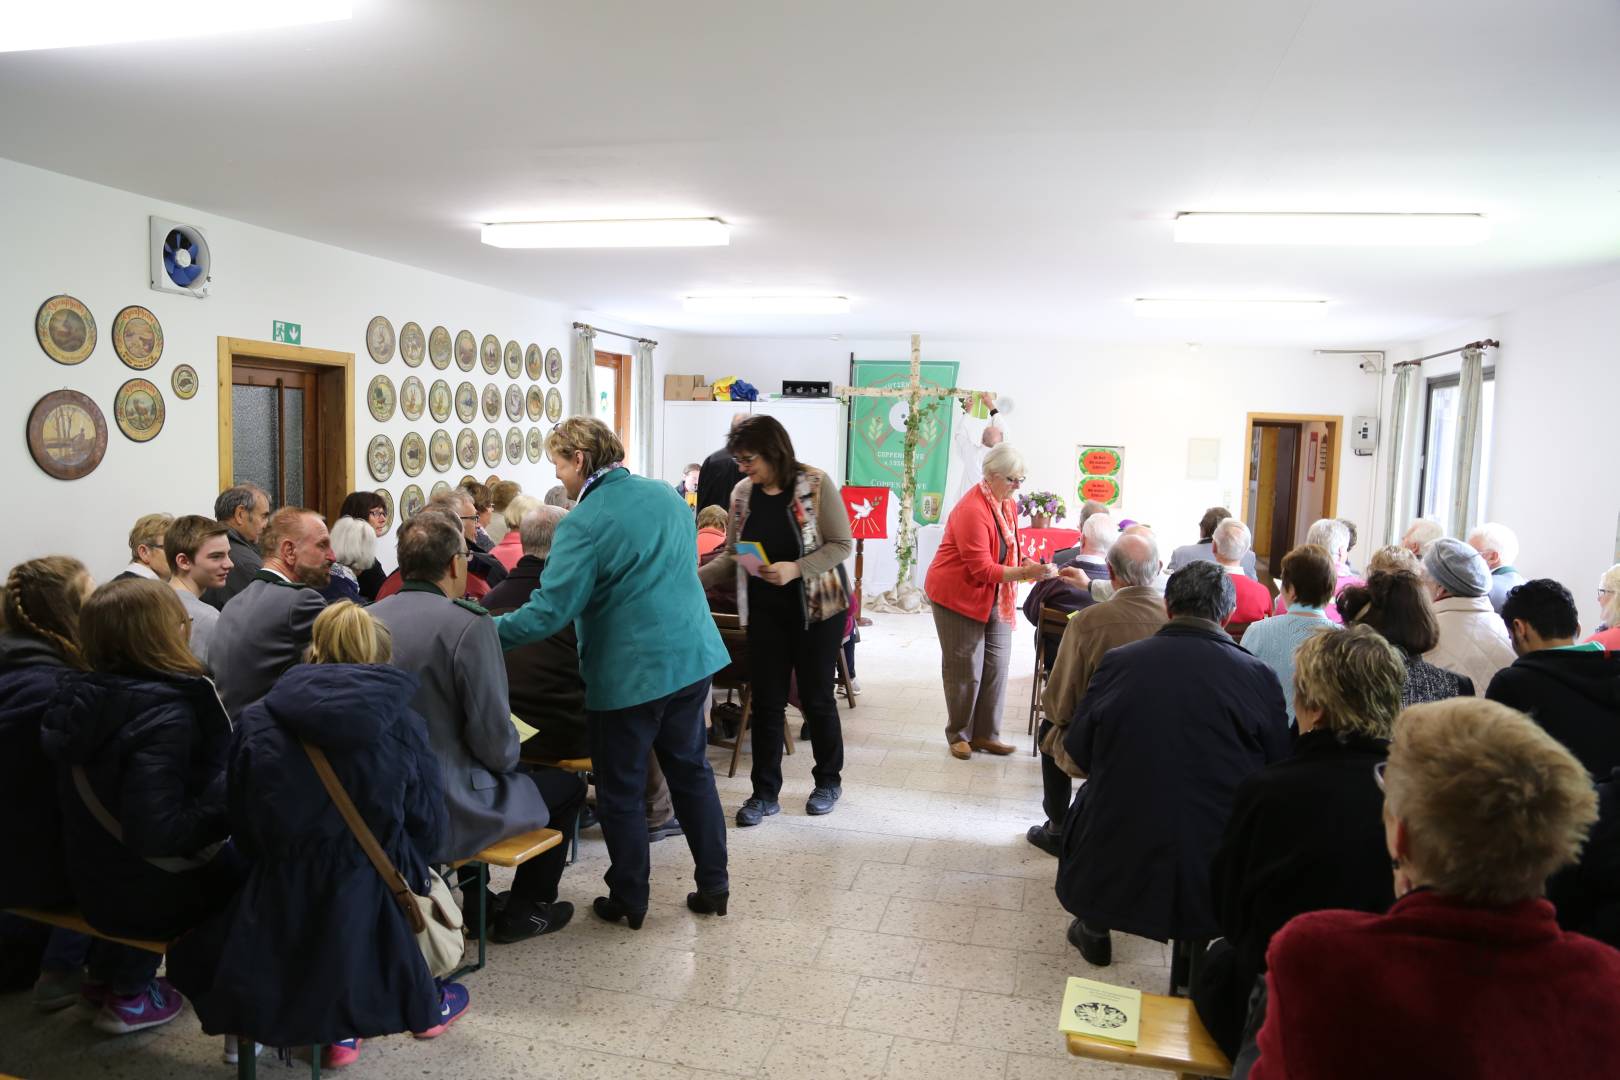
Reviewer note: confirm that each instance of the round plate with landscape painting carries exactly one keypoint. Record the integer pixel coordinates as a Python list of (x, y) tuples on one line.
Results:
[(439, 347), (380, 458), (492, 448), (514, 445), (514, 359), (412, 344), (412, 453), (66, 330), (440, 452), (380, 339), (536, 401), (138, 408), (535, 444), (184, 382), (489, 351), (533, 361), (467, 448), (466, 402), (412, 398), (553, 365), (466, 350), (380, 398), (439, 488), (411, 502), (492, 402), (439, 400), (137, 337), (67, 435), (514, 403), (554, 405)]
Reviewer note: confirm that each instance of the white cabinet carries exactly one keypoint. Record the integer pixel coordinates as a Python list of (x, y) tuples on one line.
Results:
[(692, 430)]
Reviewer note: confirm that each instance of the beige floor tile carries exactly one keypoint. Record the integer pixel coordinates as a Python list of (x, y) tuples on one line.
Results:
[(888, 879), (763, 941), (881, 955), (917, 1059), (678, 975), (800, 993), (1041, 897), (901, 1008), (928, 919), (1017, 1025), (980, 890), (582, 1017), (967, 967), (807, 1051), (1032, 1067), (1020, 930), (1044, 975), (720, 1040), (839, 907), (926, 780)]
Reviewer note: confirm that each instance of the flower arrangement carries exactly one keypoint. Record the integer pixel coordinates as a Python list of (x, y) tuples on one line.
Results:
[(1043, 504)]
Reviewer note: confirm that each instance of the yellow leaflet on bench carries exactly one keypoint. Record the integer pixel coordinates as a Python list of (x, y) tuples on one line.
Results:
[(1100, 1011)]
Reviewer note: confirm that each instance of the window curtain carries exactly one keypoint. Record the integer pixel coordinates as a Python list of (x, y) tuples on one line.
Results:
[(1465, 483), (1398, 465), (644, 407), (582, 373)]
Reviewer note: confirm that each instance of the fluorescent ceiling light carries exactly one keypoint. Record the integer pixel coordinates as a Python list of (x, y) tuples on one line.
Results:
[(767, 305), (625, 233), (1167, 308), (1333, 230), (64, 24)]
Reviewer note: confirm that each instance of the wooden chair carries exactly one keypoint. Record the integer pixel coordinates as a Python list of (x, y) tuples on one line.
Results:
[(734, 677), (1053, 623), (1171, 1037), (512, 851), (581, 767), (843, 678)]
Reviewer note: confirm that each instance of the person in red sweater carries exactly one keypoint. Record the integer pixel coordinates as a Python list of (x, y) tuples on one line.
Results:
[(1231, 543), (1468, 973)]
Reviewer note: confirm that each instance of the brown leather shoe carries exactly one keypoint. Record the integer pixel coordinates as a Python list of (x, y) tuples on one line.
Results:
[(990, 746), (961, 750)]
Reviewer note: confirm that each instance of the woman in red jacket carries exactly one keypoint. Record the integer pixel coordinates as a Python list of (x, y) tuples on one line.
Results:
[(1468, 974), (971, 584)]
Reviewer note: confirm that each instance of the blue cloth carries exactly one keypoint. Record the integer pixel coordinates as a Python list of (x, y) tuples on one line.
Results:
[(31, 848), (1274, 640), (623, 569)]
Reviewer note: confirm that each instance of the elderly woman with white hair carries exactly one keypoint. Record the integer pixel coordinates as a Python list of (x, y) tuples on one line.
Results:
[(354, 547), (1332, 534), (1608, 631), (972, 584), (508, 550)]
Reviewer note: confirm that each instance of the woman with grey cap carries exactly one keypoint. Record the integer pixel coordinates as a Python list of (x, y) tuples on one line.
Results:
[(1473, 640)]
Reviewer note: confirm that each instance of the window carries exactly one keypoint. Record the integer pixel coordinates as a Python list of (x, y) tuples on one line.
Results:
[(1438, 467), (612, 405)]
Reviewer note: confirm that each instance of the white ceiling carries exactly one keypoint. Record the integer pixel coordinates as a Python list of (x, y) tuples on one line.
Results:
[(969, 169)]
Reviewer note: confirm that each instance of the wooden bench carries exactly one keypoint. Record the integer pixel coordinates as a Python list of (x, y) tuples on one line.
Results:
[(1171, 1037), (512, 851)]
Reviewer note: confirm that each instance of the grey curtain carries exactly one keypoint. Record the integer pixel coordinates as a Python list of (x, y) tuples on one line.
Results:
[(1397, 464), (1465, 483), (644, 408), (582, 373)]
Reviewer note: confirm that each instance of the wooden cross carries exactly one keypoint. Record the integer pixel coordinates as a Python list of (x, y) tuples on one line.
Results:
[(906, 596)]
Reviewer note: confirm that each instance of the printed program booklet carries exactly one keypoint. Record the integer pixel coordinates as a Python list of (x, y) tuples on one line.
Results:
[(752, 556), (1100, 1011)]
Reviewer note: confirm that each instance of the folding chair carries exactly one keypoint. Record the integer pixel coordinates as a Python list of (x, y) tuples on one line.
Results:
[(734, 677)]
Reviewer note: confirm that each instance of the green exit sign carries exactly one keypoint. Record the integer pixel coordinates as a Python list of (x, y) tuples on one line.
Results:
[(290, 332)]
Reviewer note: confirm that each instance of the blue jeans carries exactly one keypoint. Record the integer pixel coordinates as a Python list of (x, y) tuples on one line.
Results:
[(672, 728)]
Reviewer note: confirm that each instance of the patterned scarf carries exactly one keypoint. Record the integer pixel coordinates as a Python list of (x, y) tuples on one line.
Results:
[(1005, 604), (594, 477)]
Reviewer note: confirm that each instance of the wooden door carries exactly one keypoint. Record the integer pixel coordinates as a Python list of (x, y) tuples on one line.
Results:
[(1285, 492), (276, 431)]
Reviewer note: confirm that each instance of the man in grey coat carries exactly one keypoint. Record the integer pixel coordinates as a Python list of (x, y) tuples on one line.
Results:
[(244, 510), (265, 628), (451, 645), (1204, 550)]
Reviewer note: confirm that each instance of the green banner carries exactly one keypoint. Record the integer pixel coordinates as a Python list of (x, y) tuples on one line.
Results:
[(877, 432)]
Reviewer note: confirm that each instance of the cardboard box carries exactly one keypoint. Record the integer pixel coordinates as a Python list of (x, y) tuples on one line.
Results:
[(703, 392), (680, 387)]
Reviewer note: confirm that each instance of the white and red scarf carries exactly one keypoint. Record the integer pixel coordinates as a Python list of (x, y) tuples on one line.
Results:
[(1005, 606)]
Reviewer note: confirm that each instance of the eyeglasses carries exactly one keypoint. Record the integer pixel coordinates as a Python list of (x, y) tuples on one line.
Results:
[(743, 460), (1014, 480), (465, 517), (1378, 774), (1605, 592), (379, 512)]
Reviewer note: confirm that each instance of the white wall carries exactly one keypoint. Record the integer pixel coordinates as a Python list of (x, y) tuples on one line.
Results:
[(1150, 400), (69, 236)]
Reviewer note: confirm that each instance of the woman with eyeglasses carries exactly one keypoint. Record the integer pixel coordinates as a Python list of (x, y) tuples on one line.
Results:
[(1608, 631), (367, 507), (793, 606), (972, 584), (1468, 974)]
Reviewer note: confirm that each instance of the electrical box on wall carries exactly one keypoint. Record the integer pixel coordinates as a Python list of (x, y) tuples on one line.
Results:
[(1364, 435)]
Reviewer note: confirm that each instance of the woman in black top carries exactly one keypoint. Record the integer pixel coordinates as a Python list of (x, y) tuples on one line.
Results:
[(1394, 603)]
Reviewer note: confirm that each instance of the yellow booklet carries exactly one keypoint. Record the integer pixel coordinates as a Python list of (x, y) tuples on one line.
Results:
[(525, 732), (1100, 1011)]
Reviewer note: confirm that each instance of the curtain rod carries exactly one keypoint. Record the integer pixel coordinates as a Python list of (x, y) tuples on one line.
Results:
[(615, 333), (1487, 343)]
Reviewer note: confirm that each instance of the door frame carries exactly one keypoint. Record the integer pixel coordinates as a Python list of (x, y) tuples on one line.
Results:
[(1335, 426), (335, 375)]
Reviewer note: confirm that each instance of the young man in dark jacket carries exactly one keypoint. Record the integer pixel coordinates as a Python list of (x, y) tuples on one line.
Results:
[(1572, 691)]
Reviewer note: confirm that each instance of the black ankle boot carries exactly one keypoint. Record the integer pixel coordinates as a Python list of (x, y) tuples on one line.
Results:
[(610, 910), (708, 903)]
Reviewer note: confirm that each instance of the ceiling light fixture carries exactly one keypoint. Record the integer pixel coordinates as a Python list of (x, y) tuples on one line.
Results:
[(1332, 230), (76, 23), (767, 305), (1169, 308), (615, 233)]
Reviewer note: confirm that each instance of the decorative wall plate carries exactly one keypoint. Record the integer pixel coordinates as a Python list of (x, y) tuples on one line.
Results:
[(439, 347), (467, 448), (554, 405), (468, 479), (184, 382), (536, 445), (412, 344), (514, 359), (380, 398), (67, 332), (514, 445), (533, 362), (553, 365), (67, 435), (439, 400), (489, 351), (514, 403), (380, 458), (138, 408), (412, 398), (466, 402), (440, 452), (492, 402), (137, 337), (492, 448), (412, 453), (466, 350), (388, 507), (439, 488), (380, 339), (411, 501), (536, 401)]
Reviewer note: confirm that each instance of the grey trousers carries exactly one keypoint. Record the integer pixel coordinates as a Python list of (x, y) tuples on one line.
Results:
[(973, 664)]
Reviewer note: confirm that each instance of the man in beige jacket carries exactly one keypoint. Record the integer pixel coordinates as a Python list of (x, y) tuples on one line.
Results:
[(1135, 611)]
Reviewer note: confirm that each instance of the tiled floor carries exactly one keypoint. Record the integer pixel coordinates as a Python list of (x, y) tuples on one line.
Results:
[(912, 933)]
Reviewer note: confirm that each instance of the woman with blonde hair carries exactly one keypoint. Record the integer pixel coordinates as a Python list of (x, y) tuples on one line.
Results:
[(1468, 974), (1608, 631), (313, 950), (139, 743), (711, 529)]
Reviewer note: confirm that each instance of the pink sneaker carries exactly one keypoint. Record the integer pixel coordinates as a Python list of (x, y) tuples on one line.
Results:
[(157, 1004), (453, 1002), (342, 1053)]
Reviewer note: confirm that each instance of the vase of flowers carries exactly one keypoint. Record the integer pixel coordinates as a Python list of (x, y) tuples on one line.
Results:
[(1042, 508)]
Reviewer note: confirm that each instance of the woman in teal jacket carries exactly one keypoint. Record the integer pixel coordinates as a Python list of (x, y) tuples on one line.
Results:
[(621, 570)]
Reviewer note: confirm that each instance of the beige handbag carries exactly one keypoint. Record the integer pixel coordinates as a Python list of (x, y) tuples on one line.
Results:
[(434, 918)]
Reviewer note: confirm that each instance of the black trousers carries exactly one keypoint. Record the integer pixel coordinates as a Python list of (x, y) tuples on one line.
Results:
[(672, 728), (1057, 786), (781, 647), (536, 880)]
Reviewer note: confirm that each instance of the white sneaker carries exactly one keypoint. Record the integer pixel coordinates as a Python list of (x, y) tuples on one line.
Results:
[(231, 1053), (854, 685)]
